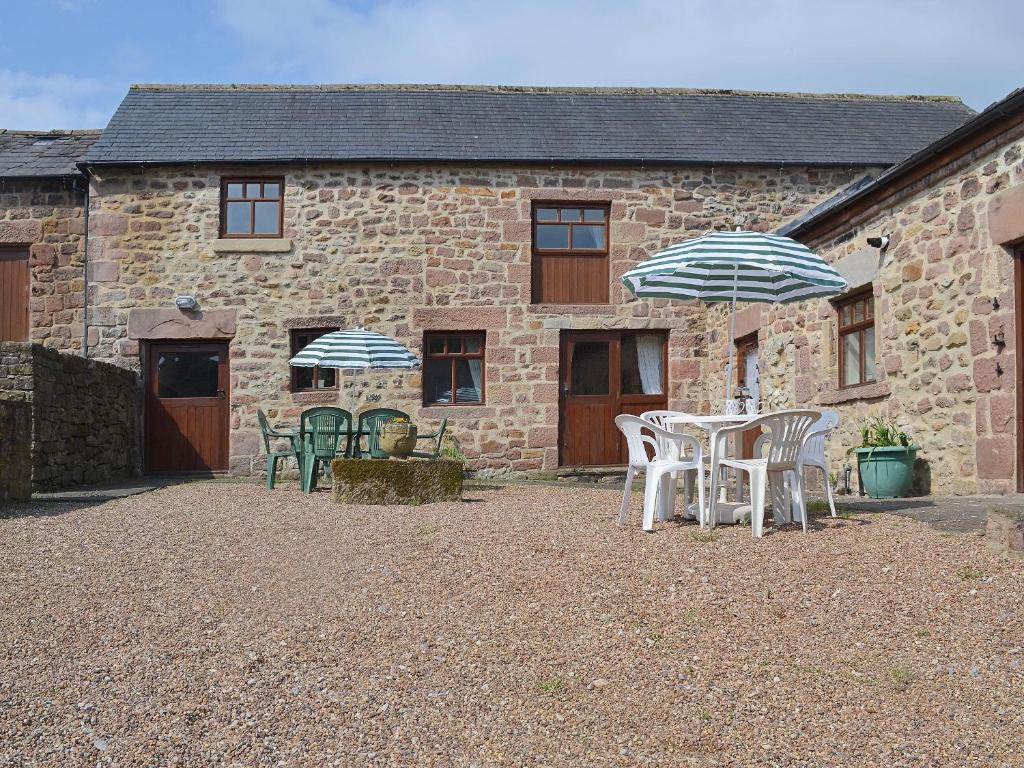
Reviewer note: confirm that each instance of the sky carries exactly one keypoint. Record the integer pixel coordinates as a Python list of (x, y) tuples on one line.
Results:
[(68, 63)]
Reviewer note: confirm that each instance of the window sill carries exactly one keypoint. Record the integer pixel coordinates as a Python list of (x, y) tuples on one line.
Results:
[(572, 309), (456, 412), (862, 392), (252, 245), (329, 396)]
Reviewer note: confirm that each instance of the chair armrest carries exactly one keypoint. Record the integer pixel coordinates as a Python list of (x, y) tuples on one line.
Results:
[(761, 441), (427, 435), (275, 433)]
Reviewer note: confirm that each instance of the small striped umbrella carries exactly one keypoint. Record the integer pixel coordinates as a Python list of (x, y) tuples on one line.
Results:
[(735, 266), (355, 348)]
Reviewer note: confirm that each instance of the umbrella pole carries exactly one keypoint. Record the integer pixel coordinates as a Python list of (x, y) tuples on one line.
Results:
[(732, 333)]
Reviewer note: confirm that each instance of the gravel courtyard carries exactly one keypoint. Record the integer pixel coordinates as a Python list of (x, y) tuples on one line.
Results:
[(224, 624)]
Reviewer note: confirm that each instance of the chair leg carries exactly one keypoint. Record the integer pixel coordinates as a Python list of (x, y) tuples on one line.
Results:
[(828, 492), (651, 483), (309, 475), (713, 499), (624, 508), (701, 507), (666, 497), (777, 486), (271, 471), (799, 502), (758, 483)]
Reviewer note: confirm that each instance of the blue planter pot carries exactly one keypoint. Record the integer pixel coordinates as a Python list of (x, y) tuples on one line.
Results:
[(887, 473)]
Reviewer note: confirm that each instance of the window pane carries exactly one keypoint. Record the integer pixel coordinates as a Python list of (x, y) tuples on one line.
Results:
[(303, 378), (547, 214), (851, 359), (590, 368), (271, 190), (252, 190), (588, 236), (187, 374), (641, 359), (845, 315), (473, 344), (437, 380), (238, 219), (869, 354), (455, 345), (858, 312), (267, 218), (871, 306), (552, 236), (468, 381), (593, 214), (327, 377), (571, 214), (435, 345), (234, 190)]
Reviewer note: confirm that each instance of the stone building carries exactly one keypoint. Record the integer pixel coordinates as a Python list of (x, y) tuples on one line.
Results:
[(929, 331), (42, 237), (485, 228)]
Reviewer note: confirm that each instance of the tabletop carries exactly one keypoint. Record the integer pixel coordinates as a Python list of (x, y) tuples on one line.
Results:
[(712, 419)]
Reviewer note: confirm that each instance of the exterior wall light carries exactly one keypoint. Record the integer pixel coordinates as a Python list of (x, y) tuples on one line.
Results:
[(186, 303)]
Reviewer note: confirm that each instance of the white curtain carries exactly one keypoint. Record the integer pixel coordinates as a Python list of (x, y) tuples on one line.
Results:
[(648, 358), (476, 372)]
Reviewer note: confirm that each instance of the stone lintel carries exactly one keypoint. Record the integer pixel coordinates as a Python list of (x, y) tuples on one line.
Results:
[(173, 324), (859, 268), (21, 231), (460, 318), (1006, 216), (748, 320), (863, 392), (252, 245)]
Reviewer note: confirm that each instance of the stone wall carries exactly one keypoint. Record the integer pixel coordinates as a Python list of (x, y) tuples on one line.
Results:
[(47, 216), (84, 413), (404, 250), (15, 451), (944, 289)]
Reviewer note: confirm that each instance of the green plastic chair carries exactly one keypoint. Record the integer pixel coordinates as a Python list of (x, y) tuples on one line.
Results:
[(437, 437), (370, 423), (269, 433), (322, 432)]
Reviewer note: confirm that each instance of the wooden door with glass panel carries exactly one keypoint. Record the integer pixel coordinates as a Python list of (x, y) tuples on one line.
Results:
[(187, 408), (747, 377), (603, 374)]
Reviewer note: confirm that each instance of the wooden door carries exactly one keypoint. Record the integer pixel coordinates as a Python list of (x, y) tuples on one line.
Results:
[(604, 374), (747, 375), (14, 293), (187, 407)]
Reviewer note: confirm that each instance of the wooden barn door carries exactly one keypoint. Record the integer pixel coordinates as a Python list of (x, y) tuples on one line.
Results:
[(14, 293), (187, 408)]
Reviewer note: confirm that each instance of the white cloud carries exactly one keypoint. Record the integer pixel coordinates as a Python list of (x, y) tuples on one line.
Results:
[(875, 46), (55, 101)]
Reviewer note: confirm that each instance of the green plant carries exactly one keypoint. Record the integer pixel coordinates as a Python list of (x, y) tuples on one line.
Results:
[(553, 685), (704, 537), (880, 432), (902, 676), (450, 448), (970, 574)]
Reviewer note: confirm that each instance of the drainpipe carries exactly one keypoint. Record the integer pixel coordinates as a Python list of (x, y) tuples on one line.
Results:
[(85, 275)]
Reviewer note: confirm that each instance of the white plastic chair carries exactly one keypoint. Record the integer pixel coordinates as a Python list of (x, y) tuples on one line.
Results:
[(813, 453), (659, 419), (784, 439), (660, 487)]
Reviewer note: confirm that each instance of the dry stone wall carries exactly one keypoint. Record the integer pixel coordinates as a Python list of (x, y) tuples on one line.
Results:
[(405, 250), (15, 451), (944, 292), (47, 217), (84, 415)]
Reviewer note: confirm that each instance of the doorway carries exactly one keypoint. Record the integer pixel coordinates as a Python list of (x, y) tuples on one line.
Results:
[(747, 375), (14, 293), (187, 407), (603, 374)]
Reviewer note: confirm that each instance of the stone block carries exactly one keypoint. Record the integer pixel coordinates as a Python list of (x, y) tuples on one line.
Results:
[(175, 324), (1005, 223), (996, 457), (20, 231), (389, 482), (1004, 533)]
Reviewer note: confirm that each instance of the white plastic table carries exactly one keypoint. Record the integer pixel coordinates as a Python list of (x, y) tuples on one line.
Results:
[(711, 424)]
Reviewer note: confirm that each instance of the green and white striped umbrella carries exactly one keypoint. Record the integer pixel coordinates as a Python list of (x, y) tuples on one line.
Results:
[(735, 266), (355, 348)]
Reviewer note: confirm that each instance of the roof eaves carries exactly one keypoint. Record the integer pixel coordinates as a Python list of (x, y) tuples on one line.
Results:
[(1011, 104)]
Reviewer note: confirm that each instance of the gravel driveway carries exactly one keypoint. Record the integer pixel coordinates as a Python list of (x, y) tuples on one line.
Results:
[(223, 624)]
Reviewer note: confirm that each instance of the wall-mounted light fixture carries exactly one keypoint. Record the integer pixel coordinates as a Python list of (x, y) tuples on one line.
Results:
[(186, 303), (881, 243)]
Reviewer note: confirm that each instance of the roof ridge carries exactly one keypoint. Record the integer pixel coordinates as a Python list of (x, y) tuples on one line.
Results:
[(595, 90), (56, 132)]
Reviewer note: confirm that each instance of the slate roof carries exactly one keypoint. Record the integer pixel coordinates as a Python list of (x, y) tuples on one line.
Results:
[(1009, 106), (182, 124), (43, 154)]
